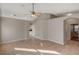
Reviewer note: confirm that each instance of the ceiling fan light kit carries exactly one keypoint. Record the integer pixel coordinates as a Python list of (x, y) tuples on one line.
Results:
[(33, 10), (33, 13)]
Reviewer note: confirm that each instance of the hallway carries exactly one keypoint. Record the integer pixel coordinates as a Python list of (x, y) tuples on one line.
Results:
[(39, 47)]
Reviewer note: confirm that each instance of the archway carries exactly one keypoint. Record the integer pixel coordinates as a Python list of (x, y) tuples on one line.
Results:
[(71, 29)]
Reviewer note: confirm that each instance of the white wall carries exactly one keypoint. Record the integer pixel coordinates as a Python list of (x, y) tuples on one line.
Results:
[(32, 33), (27, 25), (41, 27), (50, 29), (59, 31), (56, 30), (13, 29)]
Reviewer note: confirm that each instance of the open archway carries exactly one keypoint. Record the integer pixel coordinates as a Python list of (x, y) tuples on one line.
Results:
[(71, 29)]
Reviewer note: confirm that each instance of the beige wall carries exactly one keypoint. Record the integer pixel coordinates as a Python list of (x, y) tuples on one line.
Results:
[(13, 29), (0, 23), (0, 29)]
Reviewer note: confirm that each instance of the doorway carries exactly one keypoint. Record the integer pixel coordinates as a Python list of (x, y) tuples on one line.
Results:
[(71, 30), (74, 32)]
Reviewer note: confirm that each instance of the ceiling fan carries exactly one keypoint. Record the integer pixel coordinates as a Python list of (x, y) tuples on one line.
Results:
[(33, 12)]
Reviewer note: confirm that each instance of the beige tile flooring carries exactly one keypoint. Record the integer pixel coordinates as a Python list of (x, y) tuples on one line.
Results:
[(39, 47)]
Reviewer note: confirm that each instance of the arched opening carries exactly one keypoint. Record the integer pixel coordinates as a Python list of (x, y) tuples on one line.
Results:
[(71, 29)]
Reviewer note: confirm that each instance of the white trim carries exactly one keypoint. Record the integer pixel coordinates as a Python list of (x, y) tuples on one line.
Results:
[(20, 18), (49, 40), (57, 42), (12, 17)]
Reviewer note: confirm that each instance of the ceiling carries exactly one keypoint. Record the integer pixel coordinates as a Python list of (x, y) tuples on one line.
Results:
[(22, 10)]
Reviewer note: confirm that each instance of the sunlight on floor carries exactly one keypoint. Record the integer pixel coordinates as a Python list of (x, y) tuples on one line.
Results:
[(24, 49), (48, 51), (37, 50)]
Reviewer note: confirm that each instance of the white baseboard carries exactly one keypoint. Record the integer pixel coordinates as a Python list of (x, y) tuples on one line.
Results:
[(49, 40), (57, 42), (11, 41), (4, 42)]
